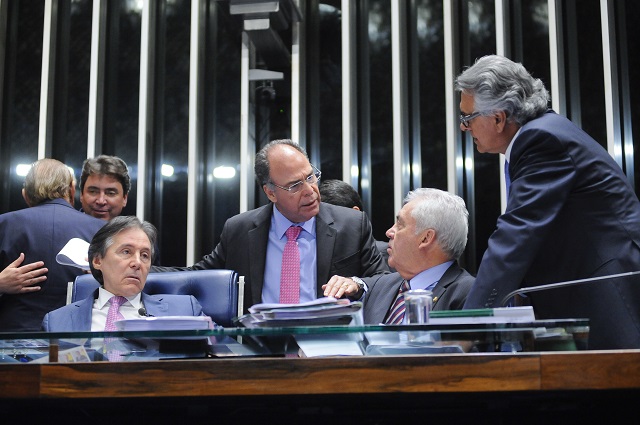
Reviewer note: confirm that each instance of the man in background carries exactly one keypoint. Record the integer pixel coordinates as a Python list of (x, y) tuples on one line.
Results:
[(340, 193), (40, 232), (104, 186), (428, 237)]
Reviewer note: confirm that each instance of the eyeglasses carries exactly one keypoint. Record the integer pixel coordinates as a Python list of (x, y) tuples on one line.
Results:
[(313, 178), (464, 119)]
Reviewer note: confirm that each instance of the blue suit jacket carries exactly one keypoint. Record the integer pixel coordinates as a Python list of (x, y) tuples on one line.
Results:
[(40, 232), (571, 214), (449, 293), (344, 243), (76, 317)]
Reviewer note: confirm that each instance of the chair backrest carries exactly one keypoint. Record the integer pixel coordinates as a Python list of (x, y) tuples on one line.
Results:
[(216, 290)]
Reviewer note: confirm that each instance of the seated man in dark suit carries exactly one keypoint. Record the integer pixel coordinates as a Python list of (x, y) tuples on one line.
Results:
[(330, 240), (428, 237), (120, 257)]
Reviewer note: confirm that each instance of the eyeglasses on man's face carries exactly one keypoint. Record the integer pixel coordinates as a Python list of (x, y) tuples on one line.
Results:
[(313, 178), (465, 119)]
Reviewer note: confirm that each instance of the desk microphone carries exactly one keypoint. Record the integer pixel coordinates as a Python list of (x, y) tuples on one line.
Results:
[(143, 312), (528, 289)]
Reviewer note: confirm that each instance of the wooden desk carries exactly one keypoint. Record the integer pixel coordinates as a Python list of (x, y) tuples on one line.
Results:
[(291, 382)]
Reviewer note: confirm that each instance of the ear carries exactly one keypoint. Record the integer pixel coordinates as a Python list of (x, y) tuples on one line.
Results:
[(97, 262), (271, 194), (427, 238), (500, 120), (25, 197), (72, 192), (124, 200)]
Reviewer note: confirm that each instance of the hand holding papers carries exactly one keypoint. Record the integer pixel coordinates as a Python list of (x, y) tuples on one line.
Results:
[(75, 253)]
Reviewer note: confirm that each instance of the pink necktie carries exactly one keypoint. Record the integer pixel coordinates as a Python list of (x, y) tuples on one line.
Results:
[(113, 315), (290, 274), (396, 313)]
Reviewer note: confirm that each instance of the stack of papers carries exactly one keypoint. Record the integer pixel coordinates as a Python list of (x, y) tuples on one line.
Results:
[(165, 323), (321, 312)]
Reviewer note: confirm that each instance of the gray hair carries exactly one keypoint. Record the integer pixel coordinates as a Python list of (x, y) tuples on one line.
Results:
[(499, 84), (261, 165), (48, 179), (443, 212), (103, 239)]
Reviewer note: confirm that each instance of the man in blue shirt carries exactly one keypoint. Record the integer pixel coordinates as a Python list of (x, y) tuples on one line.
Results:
[(333, 240)]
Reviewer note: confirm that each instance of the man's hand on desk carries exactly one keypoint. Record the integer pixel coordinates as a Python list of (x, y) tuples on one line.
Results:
[(344, 287), (16, 279)]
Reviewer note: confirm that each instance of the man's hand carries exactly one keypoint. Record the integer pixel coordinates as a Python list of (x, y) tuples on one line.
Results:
[(340, 287), (16, 279)]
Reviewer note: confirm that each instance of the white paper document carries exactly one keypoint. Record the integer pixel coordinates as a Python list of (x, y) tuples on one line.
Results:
[(165, 323), (75, 253)]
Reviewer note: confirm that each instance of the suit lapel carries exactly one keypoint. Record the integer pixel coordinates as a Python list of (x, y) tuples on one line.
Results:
[(258, 240), (447, 278), (81, 316), (325, 241)]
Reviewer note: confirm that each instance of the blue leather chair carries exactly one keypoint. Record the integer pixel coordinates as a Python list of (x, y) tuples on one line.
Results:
[(216, 290)]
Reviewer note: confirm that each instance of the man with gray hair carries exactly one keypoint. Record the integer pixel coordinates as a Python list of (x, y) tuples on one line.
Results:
[(40, 232), (425, 242), (571, 213)]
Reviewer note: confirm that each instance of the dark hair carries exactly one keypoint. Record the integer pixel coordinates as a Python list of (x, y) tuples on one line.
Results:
[(261, 163), (106, 165), (340, 193), (103, 239)]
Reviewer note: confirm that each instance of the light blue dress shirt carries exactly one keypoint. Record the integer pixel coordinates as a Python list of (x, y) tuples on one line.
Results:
[(429, 278), (308, 261)]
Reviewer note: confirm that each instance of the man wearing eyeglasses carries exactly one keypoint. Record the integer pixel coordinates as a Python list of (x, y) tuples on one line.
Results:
[(332, 240), (571, 213)]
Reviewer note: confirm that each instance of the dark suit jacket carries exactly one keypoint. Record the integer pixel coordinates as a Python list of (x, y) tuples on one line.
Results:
[(76, 317), (571, 214), (344, 244), (449, 293), (40, 232)]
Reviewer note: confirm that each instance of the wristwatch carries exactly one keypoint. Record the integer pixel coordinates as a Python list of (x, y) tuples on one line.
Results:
[(362, 287)]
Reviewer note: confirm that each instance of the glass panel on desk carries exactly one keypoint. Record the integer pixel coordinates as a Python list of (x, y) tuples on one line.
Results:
[(296, 341)]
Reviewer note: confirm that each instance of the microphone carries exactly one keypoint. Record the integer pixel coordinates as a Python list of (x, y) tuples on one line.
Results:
[(143, 312), (544, 287)]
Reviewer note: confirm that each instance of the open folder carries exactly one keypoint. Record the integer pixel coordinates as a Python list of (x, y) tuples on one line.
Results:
[(75, 253)]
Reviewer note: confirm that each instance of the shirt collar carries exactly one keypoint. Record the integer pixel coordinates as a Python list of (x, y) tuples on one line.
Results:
[(427, 279), (507, 154), (282, 223), (104, 296)]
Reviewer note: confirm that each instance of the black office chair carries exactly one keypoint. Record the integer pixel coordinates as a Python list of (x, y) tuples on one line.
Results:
[(216, 290)]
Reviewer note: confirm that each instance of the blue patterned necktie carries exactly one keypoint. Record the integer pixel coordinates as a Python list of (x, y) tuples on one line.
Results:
[(396, 313), (507, 177)]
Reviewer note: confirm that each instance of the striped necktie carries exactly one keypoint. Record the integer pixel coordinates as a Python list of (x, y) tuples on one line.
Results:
[(396, 313)]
